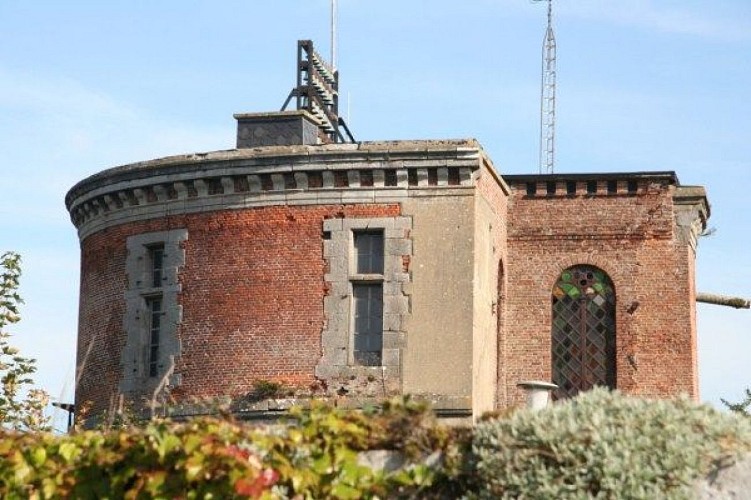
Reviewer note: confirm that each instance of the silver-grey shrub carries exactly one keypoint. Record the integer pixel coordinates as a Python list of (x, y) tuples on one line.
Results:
[(603, 444)]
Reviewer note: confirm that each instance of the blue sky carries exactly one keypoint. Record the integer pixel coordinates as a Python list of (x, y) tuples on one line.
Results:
[(642, 85)]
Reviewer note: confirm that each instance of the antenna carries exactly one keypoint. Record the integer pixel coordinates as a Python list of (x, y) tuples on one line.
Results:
[(547, 97), (317, 92), (334, 13)]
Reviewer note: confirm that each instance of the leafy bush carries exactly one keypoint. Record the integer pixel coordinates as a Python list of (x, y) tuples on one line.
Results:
[(16, 410), (315, 455), (162, 460), (600, 444), (265, 389), (606, 445), (743, 407)]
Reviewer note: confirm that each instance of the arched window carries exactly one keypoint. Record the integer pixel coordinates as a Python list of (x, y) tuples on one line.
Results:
[(583, 333)]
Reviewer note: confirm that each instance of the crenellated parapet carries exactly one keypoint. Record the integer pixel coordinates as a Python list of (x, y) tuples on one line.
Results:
[(369, 172)]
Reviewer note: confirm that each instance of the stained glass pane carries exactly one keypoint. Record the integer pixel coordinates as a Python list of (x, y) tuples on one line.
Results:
[(583, 331)]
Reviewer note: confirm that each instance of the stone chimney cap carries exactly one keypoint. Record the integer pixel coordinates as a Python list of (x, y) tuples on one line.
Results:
[(280, 128)]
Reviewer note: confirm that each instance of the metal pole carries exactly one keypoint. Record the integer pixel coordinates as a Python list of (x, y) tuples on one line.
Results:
[(547, 97), (333, 33)]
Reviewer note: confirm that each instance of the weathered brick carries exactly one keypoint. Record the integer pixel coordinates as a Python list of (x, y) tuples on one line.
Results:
[(252, 299)]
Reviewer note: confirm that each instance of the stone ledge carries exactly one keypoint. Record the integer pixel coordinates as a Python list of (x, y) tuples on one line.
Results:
[(272, 409), (467, 151)]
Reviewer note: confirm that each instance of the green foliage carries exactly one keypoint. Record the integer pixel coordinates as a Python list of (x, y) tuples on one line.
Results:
[(265, 389), (598, 445), (315, 455), (605, 445), (744, 407), (16, 411), (199, 459)]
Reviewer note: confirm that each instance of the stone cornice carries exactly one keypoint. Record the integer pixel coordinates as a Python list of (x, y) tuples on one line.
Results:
[(691, 213), (378, 172)]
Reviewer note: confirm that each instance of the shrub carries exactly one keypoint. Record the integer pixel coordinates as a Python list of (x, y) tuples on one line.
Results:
[(16, 410), (206, 458), (605, 445), (265, 389), (743, 407), (315, 455), (598, 445)]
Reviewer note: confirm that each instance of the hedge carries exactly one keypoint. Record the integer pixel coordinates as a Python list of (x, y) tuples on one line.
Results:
[(599, 445), (602, 444)]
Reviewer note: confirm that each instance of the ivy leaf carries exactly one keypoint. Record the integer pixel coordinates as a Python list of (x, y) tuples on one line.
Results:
[(38, 456), (68, 451), (345, 492)]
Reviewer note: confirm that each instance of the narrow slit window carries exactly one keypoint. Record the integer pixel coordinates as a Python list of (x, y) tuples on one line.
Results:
[(154, 307), (156, 256)]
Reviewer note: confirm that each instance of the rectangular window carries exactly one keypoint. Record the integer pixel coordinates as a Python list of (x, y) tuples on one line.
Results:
[(367, 297), (368, 323), (368, 252), (154, 308), (591, 187), (570, 187), (612, 187), (156, 258)]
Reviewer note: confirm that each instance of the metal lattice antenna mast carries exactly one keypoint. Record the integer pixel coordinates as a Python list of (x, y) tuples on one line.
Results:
[(547, 98)]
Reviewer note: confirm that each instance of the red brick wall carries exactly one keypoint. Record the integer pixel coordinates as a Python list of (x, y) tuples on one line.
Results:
[(489, 188), (631, 238), (252, 299)]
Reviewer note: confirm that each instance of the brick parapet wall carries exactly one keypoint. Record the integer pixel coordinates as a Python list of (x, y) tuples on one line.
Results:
[(252, 298), (630, 237)]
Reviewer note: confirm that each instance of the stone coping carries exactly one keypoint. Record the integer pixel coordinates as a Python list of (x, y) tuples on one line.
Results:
[(284, 158), (665, 175), (273, 115), (382, 172), (694, 195), (270, 409)]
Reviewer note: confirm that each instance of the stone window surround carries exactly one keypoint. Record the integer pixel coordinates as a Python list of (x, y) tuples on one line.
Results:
[(337, 336), (135, 356)]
